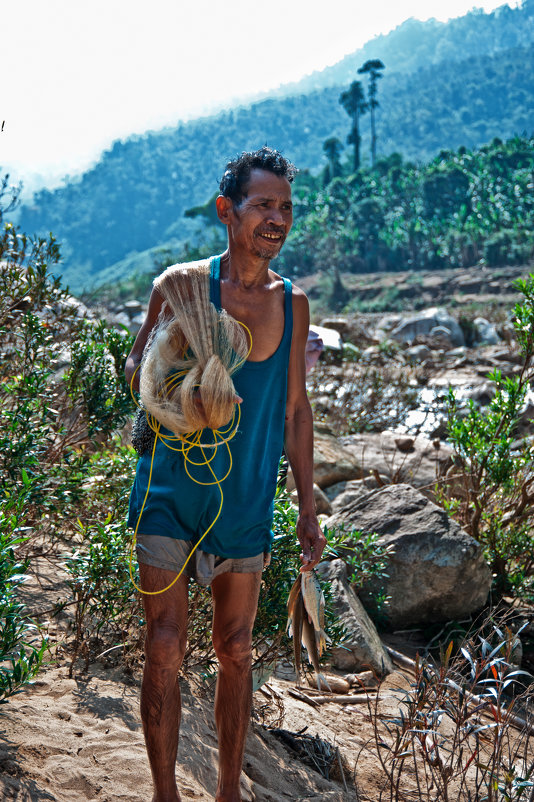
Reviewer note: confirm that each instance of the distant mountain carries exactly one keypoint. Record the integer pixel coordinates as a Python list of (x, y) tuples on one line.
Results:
[(416, 44), (135, 196)]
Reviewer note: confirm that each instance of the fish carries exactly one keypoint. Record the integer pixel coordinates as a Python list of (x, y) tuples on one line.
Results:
[(306, 623), (313, 596)]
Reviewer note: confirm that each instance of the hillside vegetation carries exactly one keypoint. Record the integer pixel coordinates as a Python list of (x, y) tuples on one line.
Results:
[(135, 197)]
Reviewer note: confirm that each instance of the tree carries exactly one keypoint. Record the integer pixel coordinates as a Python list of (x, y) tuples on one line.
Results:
[(353, 101), (373, 67), (332, 147)]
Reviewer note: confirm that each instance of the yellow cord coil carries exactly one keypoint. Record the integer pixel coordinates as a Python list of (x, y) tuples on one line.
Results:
[(184, 444)]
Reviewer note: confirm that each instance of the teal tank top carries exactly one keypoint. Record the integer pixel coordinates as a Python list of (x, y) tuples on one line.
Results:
[(178, 507)]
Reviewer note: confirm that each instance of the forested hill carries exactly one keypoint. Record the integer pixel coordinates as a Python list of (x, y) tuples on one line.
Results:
[(135, 196), (416, 44)]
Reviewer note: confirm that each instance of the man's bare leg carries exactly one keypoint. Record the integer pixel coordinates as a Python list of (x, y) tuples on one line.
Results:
[(235, 600), (166, 619)]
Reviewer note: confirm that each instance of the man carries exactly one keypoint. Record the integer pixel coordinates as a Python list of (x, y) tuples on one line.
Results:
[(255, 205)]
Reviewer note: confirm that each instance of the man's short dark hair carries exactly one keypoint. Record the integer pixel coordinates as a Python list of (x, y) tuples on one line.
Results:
[(236, 176)]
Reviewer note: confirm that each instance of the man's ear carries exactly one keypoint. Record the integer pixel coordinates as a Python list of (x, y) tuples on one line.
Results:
[(225, 207)]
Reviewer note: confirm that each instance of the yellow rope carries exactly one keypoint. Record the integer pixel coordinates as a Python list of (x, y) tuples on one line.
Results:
[(187, 442)]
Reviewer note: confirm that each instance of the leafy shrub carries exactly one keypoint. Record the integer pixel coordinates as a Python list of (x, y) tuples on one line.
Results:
[(491, 492), (21, 647), (459, 733), (62, 393), (106, 605)]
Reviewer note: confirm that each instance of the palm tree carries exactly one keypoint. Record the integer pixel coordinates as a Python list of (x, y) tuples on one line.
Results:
[(332, 147), (373, 67), (353, 101)]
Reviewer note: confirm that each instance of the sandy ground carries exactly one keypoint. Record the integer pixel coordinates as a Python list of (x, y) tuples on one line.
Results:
[(80, 739)]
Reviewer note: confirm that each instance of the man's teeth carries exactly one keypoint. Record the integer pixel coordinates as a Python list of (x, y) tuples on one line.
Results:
[(271, 236)]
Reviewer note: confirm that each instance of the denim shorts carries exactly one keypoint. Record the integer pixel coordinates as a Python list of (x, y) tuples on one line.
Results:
[(171, 553)]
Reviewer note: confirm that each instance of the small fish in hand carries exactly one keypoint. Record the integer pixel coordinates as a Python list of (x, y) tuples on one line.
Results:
[(306, 622)]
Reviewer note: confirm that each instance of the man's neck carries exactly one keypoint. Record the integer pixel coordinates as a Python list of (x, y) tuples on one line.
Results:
[(244, 271)]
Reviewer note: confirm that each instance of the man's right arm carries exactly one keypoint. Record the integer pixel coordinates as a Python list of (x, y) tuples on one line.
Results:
[(135, 356)]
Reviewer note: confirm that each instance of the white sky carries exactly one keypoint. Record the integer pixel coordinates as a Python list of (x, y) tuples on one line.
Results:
[(75, 76)]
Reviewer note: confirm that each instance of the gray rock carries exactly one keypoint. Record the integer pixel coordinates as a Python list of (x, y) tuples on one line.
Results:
[(362, 647), (442, 337), (323, 504), (339, 324), (332, 462), (436, 571), (133, 308), (417, 354), (386, 324), (485, 332), (379, 452), (344, 493), (423, 322)]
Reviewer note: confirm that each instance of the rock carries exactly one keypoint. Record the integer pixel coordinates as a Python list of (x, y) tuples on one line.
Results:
[(323, 505), (458, 353), (485, 332), (322, 502), (362, 647), (339, 324), (405, 444), (387, 323), (417, 353), (344, 493), (332, 462), (138, 319), (436, 571), (423, 322), (482, 393), (132, 308), (441, 336), (379, 452)]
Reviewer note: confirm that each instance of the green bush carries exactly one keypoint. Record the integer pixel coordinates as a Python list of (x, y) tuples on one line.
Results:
[(21, 646), (491, 490)]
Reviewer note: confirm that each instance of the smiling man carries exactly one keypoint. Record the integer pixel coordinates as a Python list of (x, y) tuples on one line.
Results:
[(255, 205)]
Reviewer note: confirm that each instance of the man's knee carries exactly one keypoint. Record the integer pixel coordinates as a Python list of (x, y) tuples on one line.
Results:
[(165, 645), (233, 647)]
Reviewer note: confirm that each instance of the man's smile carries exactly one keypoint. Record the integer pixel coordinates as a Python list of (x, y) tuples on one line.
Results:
[(272, 236)]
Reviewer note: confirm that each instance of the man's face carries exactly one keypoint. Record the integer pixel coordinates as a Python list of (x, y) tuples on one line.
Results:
[(264, 217)]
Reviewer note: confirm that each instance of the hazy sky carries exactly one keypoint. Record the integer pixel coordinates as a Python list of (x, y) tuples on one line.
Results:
[(77, 75)]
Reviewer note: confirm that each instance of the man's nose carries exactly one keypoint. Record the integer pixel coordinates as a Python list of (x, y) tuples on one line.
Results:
[(276, 216)]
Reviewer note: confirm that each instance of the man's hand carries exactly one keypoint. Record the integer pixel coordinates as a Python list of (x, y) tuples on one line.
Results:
[(311, 539)]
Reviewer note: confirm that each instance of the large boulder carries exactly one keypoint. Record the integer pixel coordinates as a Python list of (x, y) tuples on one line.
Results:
[(436, 571), (423, 322), (362, 647)]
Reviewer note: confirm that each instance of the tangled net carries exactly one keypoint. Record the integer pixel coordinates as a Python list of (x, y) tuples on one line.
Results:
[(194, 352)]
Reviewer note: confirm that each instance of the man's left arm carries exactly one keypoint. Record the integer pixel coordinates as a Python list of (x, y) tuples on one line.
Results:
[(299, 436)]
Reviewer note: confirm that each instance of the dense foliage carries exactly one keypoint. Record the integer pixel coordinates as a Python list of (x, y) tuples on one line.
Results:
[(135, 196), (62, 395), (460, 208)]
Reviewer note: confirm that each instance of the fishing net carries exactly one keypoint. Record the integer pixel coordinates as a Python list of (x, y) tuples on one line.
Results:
[(193, 352)]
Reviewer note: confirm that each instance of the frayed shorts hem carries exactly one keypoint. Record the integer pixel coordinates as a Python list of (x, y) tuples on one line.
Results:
[(170, 554)]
